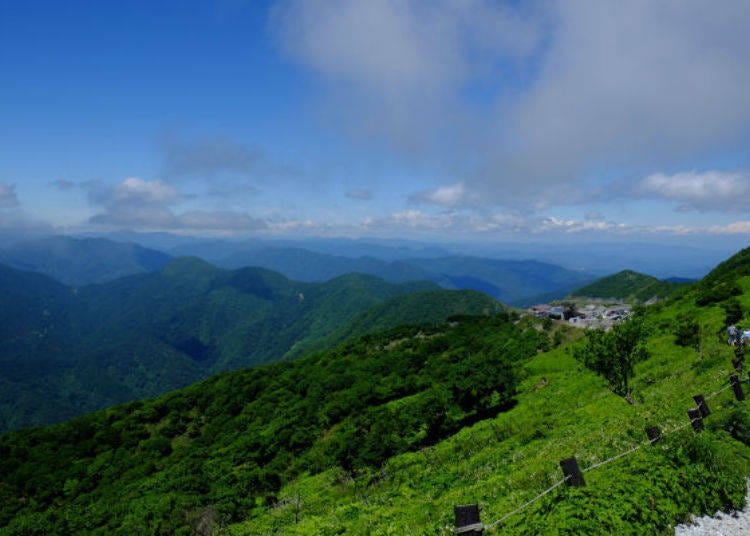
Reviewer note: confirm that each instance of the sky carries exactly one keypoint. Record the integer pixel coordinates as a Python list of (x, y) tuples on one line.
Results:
[(471, 120)]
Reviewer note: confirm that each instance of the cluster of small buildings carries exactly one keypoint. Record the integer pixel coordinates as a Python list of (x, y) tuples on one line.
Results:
[(587, 316)]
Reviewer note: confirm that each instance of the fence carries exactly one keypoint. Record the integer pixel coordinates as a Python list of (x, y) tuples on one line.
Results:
[(467, 517)]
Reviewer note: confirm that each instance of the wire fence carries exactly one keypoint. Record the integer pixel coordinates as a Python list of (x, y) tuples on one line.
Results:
[(477, 527)]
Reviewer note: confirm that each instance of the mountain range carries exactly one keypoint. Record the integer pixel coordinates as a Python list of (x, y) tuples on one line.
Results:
[(67, 350), (387, 433), (83, 261), (515, 282)]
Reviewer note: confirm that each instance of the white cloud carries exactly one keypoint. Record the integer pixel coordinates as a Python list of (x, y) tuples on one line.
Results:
[(394, 69), (135, 190), (708, 190), (446, 223), (738, 227), (444, 196), (8, 196), (570, 226), (529, 102), (629, 85), (498, 222), (148, 205)]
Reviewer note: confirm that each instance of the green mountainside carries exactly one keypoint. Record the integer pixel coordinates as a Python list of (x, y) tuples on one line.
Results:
[(82, 261), (425, 307), (67, 351), (385, 434), (230, 442), (627, 285)]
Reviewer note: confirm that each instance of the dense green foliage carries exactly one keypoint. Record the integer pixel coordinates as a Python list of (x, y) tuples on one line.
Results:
[(627, 286), (687, 332), (231, 441), (66, 351), (202, 455), (429, 306), (77, 262), (614, 353), (562, 410)]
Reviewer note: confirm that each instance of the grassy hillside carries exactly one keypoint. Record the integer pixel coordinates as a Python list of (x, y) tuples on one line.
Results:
[(563, 410), (386, 434), (628, 286), (67, 351)]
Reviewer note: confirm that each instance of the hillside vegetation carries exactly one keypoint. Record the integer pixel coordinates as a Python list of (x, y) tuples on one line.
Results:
[(628, 286), (66, 351), (387, 433), (230, 442)]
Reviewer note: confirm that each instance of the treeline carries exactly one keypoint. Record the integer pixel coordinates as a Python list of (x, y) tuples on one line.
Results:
[(231, 441)]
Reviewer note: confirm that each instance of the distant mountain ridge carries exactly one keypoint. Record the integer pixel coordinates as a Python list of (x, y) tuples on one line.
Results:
[(82, 261), (64, 351), (514, 282)]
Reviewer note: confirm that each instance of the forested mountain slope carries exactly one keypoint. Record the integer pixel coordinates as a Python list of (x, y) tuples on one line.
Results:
[(66, 351), (230, 442), (629, 286), (387, 433)]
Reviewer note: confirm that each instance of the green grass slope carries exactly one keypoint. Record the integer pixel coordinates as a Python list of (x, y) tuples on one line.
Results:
[(563, 410), (627, 285)]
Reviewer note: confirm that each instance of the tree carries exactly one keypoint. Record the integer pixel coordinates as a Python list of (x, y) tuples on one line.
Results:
[(613, 354), (687, 332)]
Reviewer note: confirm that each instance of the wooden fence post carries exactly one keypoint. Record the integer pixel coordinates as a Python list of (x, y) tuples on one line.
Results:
[(571, 472), (695, 419), (702, 406), (653, 433), (736, 387), (467, 520)]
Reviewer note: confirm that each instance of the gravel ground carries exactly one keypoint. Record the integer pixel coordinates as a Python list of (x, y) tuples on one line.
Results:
[(720, 524)]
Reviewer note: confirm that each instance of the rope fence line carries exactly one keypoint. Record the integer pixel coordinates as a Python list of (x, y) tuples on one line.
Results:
[(715, 393), (616, 457), (527, 503), (467, 516)]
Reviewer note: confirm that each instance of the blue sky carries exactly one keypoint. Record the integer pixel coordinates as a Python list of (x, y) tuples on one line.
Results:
[(440, 119)]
